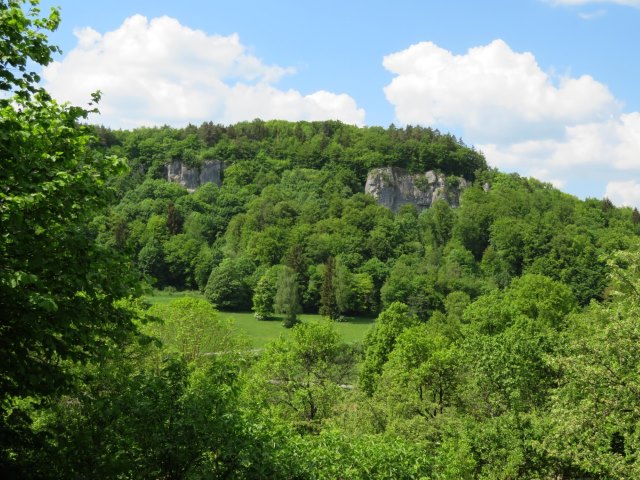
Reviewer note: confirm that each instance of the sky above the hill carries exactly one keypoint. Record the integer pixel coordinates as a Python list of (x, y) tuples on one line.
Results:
[(544, 88)]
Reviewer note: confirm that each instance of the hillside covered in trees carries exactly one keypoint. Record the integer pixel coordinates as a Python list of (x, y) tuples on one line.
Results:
[(292, 199), (506, 332)]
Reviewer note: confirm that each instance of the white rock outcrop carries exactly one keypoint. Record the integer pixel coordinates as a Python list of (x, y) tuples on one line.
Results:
[(210, 171), (394, 187)]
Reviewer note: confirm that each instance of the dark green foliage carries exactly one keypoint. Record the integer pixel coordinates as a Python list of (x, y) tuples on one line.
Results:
[(173, 219), (151, 262), (228, 286), (328, 301), (477, 302)]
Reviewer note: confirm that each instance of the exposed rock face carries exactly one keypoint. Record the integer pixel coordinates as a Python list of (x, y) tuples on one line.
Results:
[(192, 177), (394, 187)]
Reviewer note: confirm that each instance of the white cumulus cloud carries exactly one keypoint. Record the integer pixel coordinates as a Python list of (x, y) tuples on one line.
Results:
[(491, 91), (592, 150), (568, 131), (158, 71), (624, 193)]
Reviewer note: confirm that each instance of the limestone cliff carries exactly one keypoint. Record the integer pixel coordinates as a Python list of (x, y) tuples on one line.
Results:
[(210, 171), (394, 187)]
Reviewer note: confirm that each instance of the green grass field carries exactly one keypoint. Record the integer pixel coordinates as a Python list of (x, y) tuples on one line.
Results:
[(259, 333)]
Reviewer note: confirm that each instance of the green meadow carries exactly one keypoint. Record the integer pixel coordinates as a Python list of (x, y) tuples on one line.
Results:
[(259, 333)]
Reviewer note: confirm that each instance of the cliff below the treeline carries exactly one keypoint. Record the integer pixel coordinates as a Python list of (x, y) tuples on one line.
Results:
[(394, 187), (191, 177)]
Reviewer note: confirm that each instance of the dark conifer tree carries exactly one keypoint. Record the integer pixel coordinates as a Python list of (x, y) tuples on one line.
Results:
[(328, 302)]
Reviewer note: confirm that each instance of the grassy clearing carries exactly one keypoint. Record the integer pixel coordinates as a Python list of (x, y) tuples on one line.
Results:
[(259, 333), (160, 297)]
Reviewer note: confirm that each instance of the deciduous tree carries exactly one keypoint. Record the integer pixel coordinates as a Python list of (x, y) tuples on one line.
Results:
[(59, 289), (287, 298)]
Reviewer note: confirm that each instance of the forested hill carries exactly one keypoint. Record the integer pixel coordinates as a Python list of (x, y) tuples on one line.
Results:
[(275, 146), (292, 196), (505, 340)]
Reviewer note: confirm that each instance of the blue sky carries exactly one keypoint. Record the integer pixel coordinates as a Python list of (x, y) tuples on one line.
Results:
[(546, 88)]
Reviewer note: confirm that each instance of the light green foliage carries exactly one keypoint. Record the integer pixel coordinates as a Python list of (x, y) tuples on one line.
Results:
[(24, 43), (540, 298), (510, 369), (455, 304), (277, 208), (268, 246), (412, 281), (506, 374), (352, 330), (509, 339), (438, 221), (454, 458), (332, 455), (264, 294), (511, 354), (380, 342), (287, 298), (300, 378), (156, 230), (420, 376), (594, 416), (536, 297), (59, 290), (192, 328), (363, 293), (204, 263), (181, 257), (458, 271), (55, 282), (173, 421), (343, 286)]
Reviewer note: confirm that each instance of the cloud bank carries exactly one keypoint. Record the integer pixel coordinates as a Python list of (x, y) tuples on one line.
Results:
[(154, 72), (564, 130)]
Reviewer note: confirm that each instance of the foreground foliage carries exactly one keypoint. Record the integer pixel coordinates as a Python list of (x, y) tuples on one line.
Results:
[(62, 295)]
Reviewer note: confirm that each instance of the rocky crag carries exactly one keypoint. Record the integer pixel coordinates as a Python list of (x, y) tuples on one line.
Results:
[(394, 187), (191, 177)]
